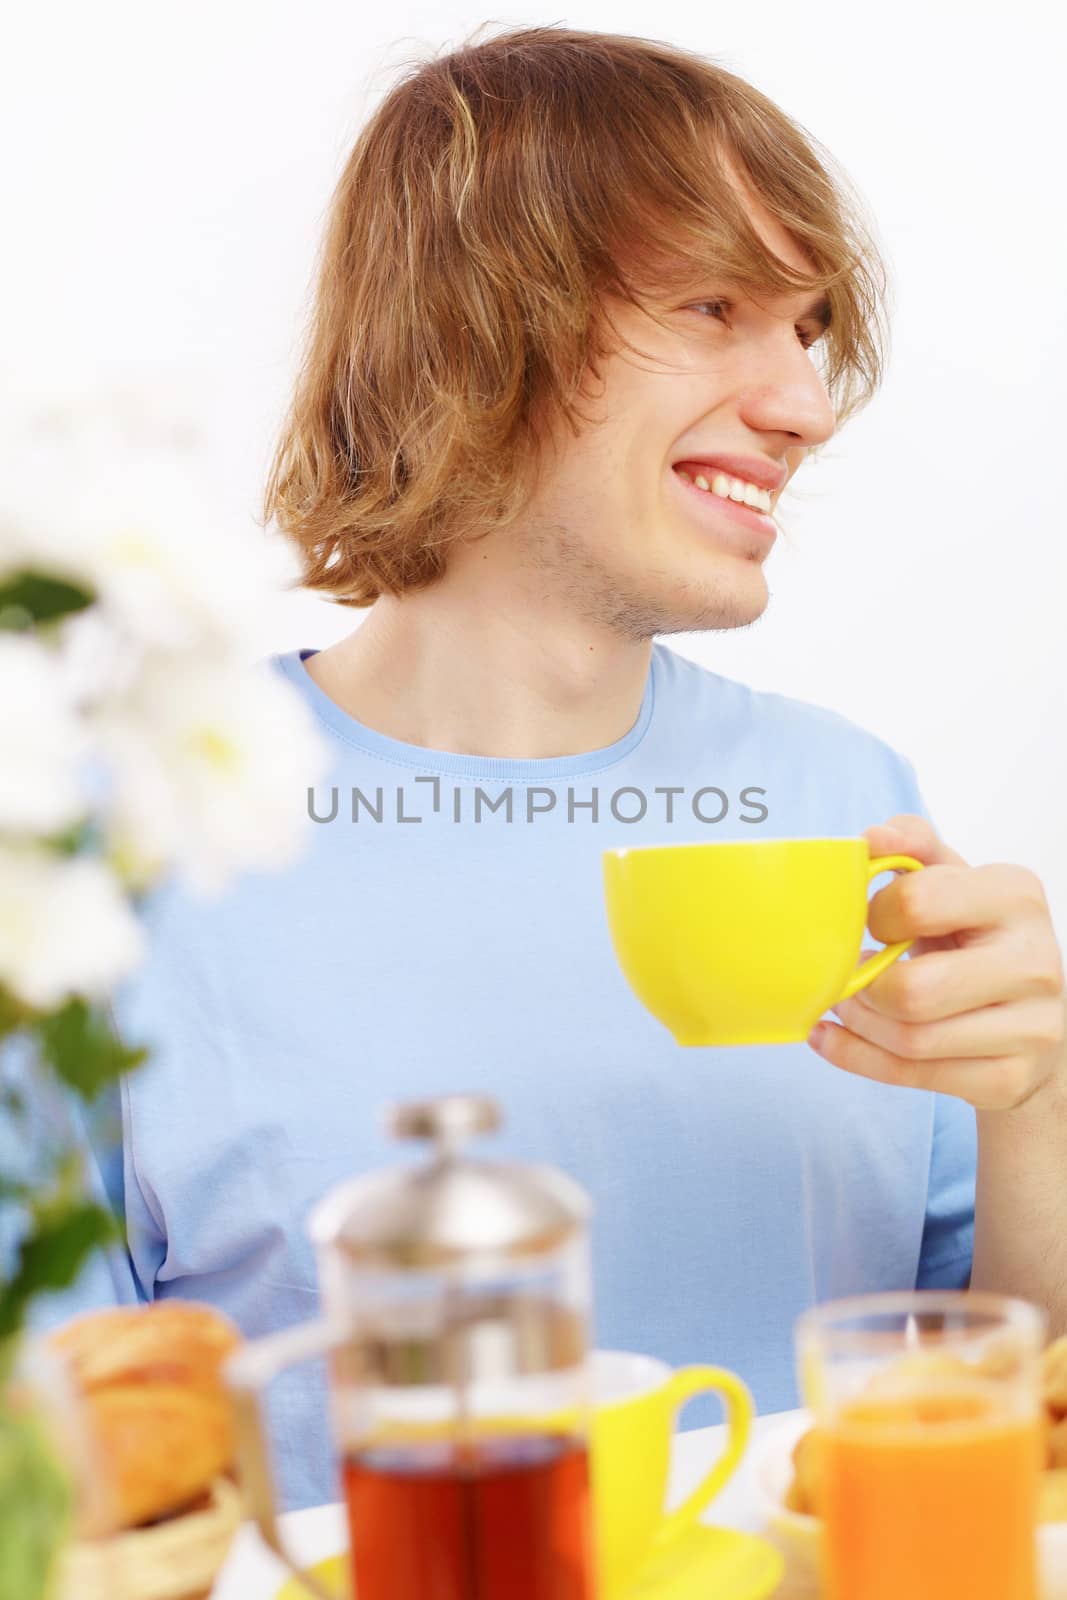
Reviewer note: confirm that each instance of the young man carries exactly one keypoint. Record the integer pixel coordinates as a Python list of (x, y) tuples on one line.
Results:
[(582, 297)]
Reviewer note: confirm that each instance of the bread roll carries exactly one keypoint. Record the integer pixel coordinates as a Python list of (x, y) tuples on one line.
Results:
[(169, 1341), (1052, 1496), (158, 1414), (162, 1444), (1054, 1376), (805, 1493)]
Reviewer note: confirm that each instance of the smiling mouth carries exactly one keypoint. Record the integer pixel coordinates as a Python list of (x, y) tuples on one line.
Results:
[(710, 480), (715, 509)]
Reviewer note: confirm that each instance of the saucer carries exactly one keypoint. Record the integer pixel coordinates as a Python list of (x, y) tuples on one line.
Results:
[(706, 1564), (712, 1564)]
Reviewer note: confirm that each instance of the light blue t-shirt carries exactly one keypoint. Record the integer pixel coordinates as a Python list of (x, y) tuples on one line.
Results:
[(416, 951)]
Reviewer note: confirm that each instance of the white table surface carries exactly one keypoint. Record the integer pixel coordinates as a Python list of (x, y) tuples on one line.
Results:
[(253, 1573)]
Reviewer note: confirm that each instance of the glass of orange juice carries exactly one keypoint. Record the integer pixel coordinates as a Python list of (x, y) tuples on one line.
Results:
[(927, 1410)]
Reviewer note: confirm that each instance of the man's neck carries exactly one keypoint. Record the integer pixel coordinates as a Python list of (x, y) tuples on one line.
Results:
[(419, 670)]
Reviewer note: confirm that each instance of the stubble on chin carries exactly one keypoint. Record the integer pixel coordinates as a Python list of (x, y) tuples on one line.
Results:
[(564, 573)]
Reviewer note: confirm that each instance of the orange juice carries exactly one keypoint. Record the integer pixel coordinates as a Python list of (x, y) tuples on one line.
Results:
[(931, 1497)]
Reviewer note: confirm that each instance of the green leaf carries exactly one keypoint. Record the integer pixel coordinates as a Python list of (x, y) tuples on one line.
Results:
[(80, 1045), (12, 1100), (37, 1499), (52, 1204), (73, 840), (51, 1256), (13, 1012), (28, 597)]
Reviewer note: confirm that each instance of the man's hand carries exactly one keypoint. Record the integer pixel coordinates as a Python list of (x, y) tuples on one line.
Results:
[(977, 1007)]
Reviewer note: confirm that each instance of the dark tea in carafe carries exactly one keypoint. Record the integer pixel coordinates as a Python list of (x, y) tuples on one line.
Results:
[(505, 1519)]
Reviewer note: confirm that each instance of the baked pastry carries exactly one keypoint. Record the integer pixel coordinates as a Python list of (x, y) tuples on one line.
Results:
[(805, 1492), (157, 1412), (168, 1341), (1054, 1377), (1052, 1496)]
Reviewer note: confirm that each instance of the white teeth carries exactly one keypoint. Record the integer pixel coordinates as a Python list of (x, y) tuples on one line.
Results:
[(736, 489)]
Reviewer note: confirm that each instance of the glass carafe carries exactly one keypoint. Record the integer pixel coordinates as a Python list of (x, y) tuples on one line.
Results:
[(456, 1300)]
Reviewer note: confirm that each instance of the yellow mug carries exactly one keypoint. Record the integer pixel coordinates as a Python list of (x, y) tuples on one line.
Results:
[(745, 941), (636, 1400)]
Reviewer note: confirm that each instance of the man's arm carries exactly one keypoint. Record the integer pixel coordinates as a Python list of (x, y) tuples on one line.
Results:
[(108, 1277), (1020, 1237), (977, 1011)]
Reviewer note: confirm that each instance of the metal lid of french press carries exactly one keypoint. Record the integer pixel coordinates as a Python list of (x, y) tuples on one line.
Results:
[(454, 1207)]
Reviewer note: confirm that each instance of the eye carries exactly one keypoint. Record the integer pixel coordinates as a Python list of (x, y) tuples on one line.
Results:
[(717, 306)]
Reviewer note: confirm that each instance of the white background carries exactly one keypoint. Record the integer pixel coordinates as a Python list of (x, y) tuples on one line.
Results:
[(167, 168)]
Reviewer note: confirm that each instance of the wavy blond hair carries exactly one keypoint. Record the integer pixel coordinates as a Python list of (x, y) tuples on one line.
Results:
[(492, 201)]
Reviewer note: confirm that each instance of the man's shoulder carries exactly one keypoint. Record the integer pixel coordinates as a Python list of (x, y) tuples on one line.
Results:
[(802, 729), (287, 663)]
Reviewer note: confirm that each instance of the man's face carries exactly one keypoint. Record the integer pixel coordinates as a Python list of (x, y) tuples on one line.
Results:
[(614, 532)]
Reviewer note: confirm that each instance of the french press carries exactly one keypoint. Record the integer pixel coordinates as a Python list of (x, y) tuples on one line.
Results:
[(456, 1299)]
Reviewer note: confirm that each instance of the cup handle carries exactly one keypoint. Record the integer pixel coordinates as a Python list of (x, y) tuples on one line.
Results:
[(248, 1372), (687, 1382), (869, 970)]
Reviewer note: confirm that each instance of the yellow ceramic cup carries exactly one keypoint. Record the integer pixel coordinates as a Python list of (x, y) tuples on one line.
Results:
[(745, 942), (636, 1401)]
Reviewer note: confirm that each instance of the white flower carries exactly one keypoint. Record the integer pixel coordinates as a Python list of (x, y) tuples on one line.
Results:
[(95, 494), (65, 927), (42, 740), (211, 763), (148, 545)]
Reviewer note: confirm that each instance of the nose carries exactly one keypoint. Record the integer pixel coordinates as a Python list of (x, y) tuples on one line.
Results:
[(785, 394)]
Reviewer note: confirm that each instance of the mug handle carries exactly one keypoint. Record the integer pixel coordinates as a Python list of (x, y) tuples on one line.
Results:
[(249, 1371), (687, 1382), (869, 970)]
